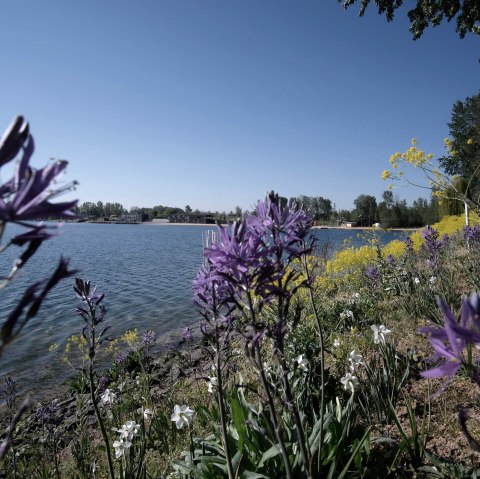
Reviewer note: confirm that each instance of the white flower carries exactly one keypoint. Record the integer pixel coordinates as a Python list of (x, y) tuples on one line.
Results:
[(347, 314), (336, 343), (121, 447), (349, 382), (379, 333), (416, 281), (182, 415), (212, 384), (128, 431), (147, 414), (355, 360), (432, 280), (108, 397), (302, 362)]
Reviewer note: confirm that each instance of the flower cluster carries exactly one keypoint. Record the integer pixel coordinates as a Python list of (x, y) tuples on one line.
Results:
[(472, 236), (127, 433), (251, 258), (372, 273), (432, 246)]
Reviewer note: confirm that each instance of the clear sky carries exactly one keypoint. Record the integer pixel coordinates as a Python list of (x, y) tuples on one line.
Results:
[(211, 103)]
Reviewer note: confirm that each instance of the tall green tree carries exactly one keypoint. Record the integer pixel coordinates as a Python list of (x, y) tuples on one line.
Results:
[(428, 13), (366, 209), (464, 146)]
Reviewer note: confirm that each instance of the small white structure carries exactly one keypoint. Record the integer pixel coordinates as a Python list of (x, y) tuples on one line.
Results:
[(377, 225)]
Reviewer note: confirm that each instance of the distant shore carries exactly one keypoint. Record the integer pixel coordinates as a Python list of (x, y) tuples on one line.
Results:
[(320, 227)]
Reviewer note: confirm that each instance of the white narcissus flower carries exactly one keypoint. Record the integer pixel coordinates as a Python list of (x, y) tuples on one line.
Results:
[(147, 414), (108, 397), (432, 280), (212, 384), (182, 416), (349, 382), (379, 333), (121, 447), (302, 362), (336, 343), (128, 431), (417, 281), (355, 360)]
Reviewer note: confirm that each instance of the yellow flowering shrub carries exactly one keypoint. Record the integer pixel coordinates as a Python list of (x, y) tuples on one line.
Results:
[(347, 267), (447, 225), (396, 248)]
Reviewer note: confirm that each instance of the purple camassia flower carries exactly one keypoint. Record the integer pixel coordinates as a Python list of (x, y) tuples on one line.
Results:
[(186, 335), (149, 337), (102, 383), (210, 290), (432, 245), (390, 259), (372, 273), (409, 244), (472, 236), (26, 196), (450, 341), (121, 358), (284, 225)]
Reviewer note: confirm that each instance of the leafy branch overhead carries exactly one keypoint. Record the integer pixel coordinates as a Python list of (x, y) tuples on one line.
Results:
[(429, 13)]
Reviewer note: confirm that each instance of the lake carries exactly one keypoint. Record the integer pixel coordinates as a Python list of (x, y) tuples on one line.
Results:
[(146, 272)]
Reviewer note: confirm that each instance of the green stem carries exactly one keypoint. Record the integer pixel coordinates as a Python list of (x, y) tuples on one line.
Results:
[(221, 404), (100, 423), (266, 387), (322, 352)]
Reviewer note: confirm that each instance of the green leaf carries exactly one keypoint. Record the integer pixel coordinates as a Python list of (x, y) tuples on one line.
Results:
[(272, 452)]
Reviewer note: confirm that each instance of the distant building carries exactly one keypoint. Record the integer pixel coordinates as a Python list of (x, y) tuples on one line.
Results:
[(194, 218)]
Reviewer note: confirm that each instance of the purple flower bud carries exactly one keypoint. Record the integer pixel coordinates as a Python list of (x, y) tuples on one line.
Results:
[(149, 337), (372, 273), (187, 335), (390, 259)]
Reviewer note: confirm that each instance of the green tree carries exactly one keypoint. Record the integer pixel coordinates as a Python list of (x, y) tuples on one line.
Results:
[(365, 209), (429, 12), (464, 146)]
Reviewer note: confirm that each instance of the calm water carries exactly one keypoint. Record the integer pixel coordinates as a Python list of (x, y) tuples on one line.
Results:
[(145, 271)]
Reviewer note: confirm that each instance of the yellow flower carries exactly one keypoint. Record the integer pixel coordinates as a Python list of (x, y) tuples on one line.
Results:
[(414, 141), (469, 141), (385, 175)]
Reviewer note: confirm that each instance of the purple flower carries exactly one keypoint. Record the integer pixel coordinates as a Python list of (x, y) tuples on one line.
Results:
[(450, 341), (390, 259), (186, 335), (121, 358), (432, 246), (149, 337), (282, 226), (102, 383), (372, 273), (10, 391), (13, 139), (472, 236)]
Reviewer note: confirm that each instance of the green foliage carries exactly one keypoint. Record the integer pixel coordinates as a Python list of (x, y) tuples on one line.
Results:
[(429, 12), (464, 147), (365, 210)]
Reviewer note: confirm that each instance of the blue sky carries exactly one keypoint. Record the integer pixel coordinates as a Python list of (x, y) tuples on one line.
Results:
[(212, 103)]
